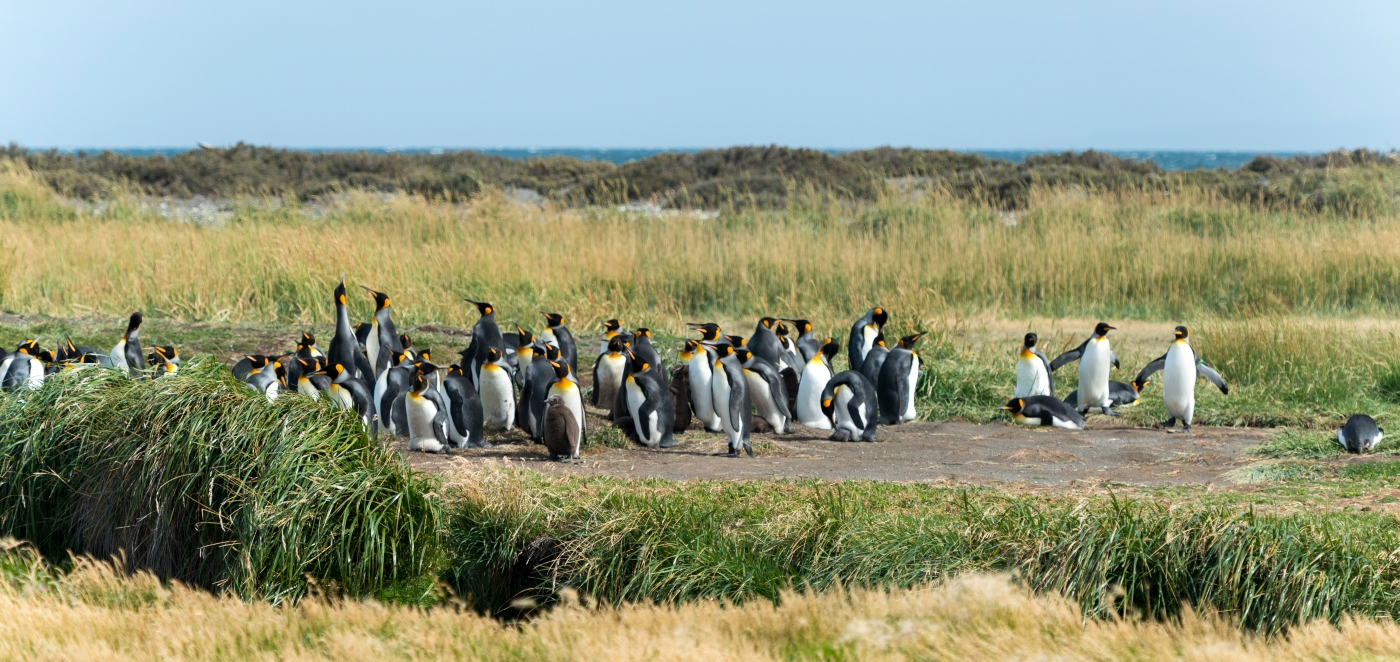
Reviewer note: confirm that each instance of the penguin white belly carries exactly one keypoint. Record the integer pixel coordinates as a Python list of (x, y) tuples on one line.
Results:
[(701, 392), (271, 393), (1062, 423), (339, 395), (1179, 382), (306, 388), (646, 430), (763, 403), (719, 388), (1093, 373), (909, 412), (809, 394), (5, 367), (118, 355), (381, 384), (372, 347), (610, 371), (36, 374), (497, 398), (549, 338), (1031, 377), (1028, 421), (841, 401), (421, 412)]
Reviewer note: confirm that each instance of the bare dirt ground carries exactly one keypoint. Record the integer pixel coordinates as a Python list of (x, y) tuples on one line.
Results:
[(924, 452)]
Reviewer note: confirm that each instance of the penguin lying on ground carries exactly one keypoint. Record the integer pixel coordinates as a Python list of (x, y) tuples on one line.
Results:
[(165, 359), (24, 368), (1180, 366), (849, 400), (561, 430), (1119, 394), (1038, 410), (1360, 434)]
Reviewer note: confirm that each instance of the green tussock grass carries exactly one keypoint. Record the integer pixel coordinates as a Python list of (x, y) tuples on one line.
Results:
[(198, 478), (517, 534)]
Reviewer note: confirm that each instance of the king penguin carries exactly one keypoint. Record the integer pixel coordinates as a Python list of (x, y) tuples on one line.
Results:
[(1360, 434), (611, 329), (350, 392), (808, 344), (899, 380), (165, 359), (1180, 366), (497, 392), (793, 356), (344, 347), (383, 337), (875, 359), (427, 413), (649, 408), (566, 387), (850, 403), (561, 431), (1095, 359), (863, 334), (765, 344), (813, 382), (701, 394), (530, 409), (523, 354), (464, 413), (766, 390), (127, 354), (23, 369), (262, 377), (1038, 410), (486, 335), (731, 396), (608, 372), (311, 380), (558, 335), (1033, 376)]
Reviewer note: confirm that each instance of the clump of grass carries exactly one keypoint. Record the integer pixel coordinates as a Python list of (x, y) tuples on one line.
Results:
[(196, 477), (518, 533), (1300, 444)]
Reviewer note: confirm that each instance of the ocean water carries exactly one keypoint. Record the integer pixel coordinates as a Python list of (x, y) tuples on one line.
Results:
[(1167, 159)]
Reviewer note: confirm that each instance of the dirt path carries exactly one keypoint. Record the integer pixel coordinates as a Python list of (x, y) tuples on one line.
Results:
[(956, 450)]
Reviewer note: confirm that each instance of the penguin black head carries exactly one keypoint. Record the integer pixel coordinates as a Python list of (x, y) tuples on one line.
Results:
[(307, 341), (721, 351), (1014, 405), (708, 330), (907, 342), (425, 354), (381, 300), (553, 319), (455, 370), (1102, 328), (691, 348), (551, 352), (396, 357), (639, 364), (1031, 339), (641, 333), (310, 366), (425, 368), (258, 361), (493, 355), (737, 341), (68, 351), (880, 340), (30, 347), (801, 326), (742, 354), (611, 326), (406, 341), (420, 376), (1181, 333), (880, 316), (45, 355), (526, 338), (1138, 385), (483, 307), (340, 292), (767, 322), (167, 353), (618, 345), (781, 331), (561, 369), (831, 347), (133, 324), (829, 408)]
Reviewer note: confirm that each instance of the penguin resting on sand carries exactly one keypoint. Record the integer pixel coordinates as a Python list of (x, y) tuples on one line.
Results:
[(1038, 410)]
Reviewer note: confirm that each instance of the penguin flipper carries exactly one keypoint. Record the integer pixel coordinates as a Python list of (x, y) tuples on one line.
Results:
[(1203, 369), (593, 397), (853, 408), (778, 388), (1049, 372), (1068, 357), (1152, 368), (1113, 356), (440, 418)]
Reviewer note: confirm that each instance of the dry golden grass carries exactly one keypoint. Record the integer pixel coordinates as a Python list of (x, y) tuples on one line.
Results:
[(1145, 256), (96, 613)]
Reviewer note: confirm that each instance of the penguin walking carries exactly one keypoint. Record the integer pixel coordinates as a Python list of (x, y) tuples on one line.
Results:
[(127, 354), (875, 359), (1033, 376), (1038, 410), (566, 387), (427, 413), (863, 334), (650, 410), (611, 329), (813, 381), (1359, 435), (344, 349), (766, 390), (849, 401), (699, 367), (486, 335), (899, 380), (561, 430), (1180, 366), (732, 401), (497, 392), (383, 337), (464, 414), (1095, 359), (608, 372), (764, 344), (1119, 394), (558, 335)]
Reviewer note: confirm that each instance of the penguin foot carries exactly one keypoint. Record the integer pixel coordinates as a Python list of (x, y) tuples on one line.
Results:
[(731, 453), (669, 443), (1108, 411), (481, 444), (748, 449), (1167, 424), (840, 435), (553, 457)]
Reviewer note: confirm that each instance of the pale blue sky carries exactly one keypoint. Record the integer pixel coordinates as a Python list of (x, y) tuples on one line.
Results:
[(1111, 75)]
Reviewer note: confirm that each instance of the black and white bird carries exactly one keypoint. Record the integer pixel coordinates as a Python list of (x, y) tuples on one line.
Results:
[(1044, 410), (1033, 375), (849, 399), (1095, 358), (863, 334), (1360, 434), (1180, 366)]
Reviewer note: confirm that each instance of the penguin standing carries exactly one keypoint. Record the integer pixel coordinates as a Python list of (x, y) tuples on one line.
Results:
[(649, 409), (680, 398), (899, 380), (850, 403), (497, 392), (766, 390), (641, 346), (808, 344), (611, 329), (793, 356), (1360, 434), (608, 372), (561, 430), (765, 344), (485, 336), (383, 337), (813, 382), (127, 354), (1033, 376), (427, 413), (536, 391), (350, 392), (523, 354), (391, 385), (731, 396), (1180, 366), (558, 335), (701, 394), (567, 388), (464, 414), (23, 368), (1038, 410), (875, 359), (306, 347), (344, 347), (863, 334), (1095, 359)]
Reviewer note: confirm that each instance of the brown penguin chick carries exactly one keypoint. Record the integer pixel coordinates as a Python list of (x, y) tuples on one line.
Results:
[(680, 390), (561, 431)]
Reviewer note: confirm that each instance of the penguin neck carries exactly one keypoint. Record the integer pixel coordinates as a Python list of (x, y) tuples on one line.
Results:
[(342, 321)]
